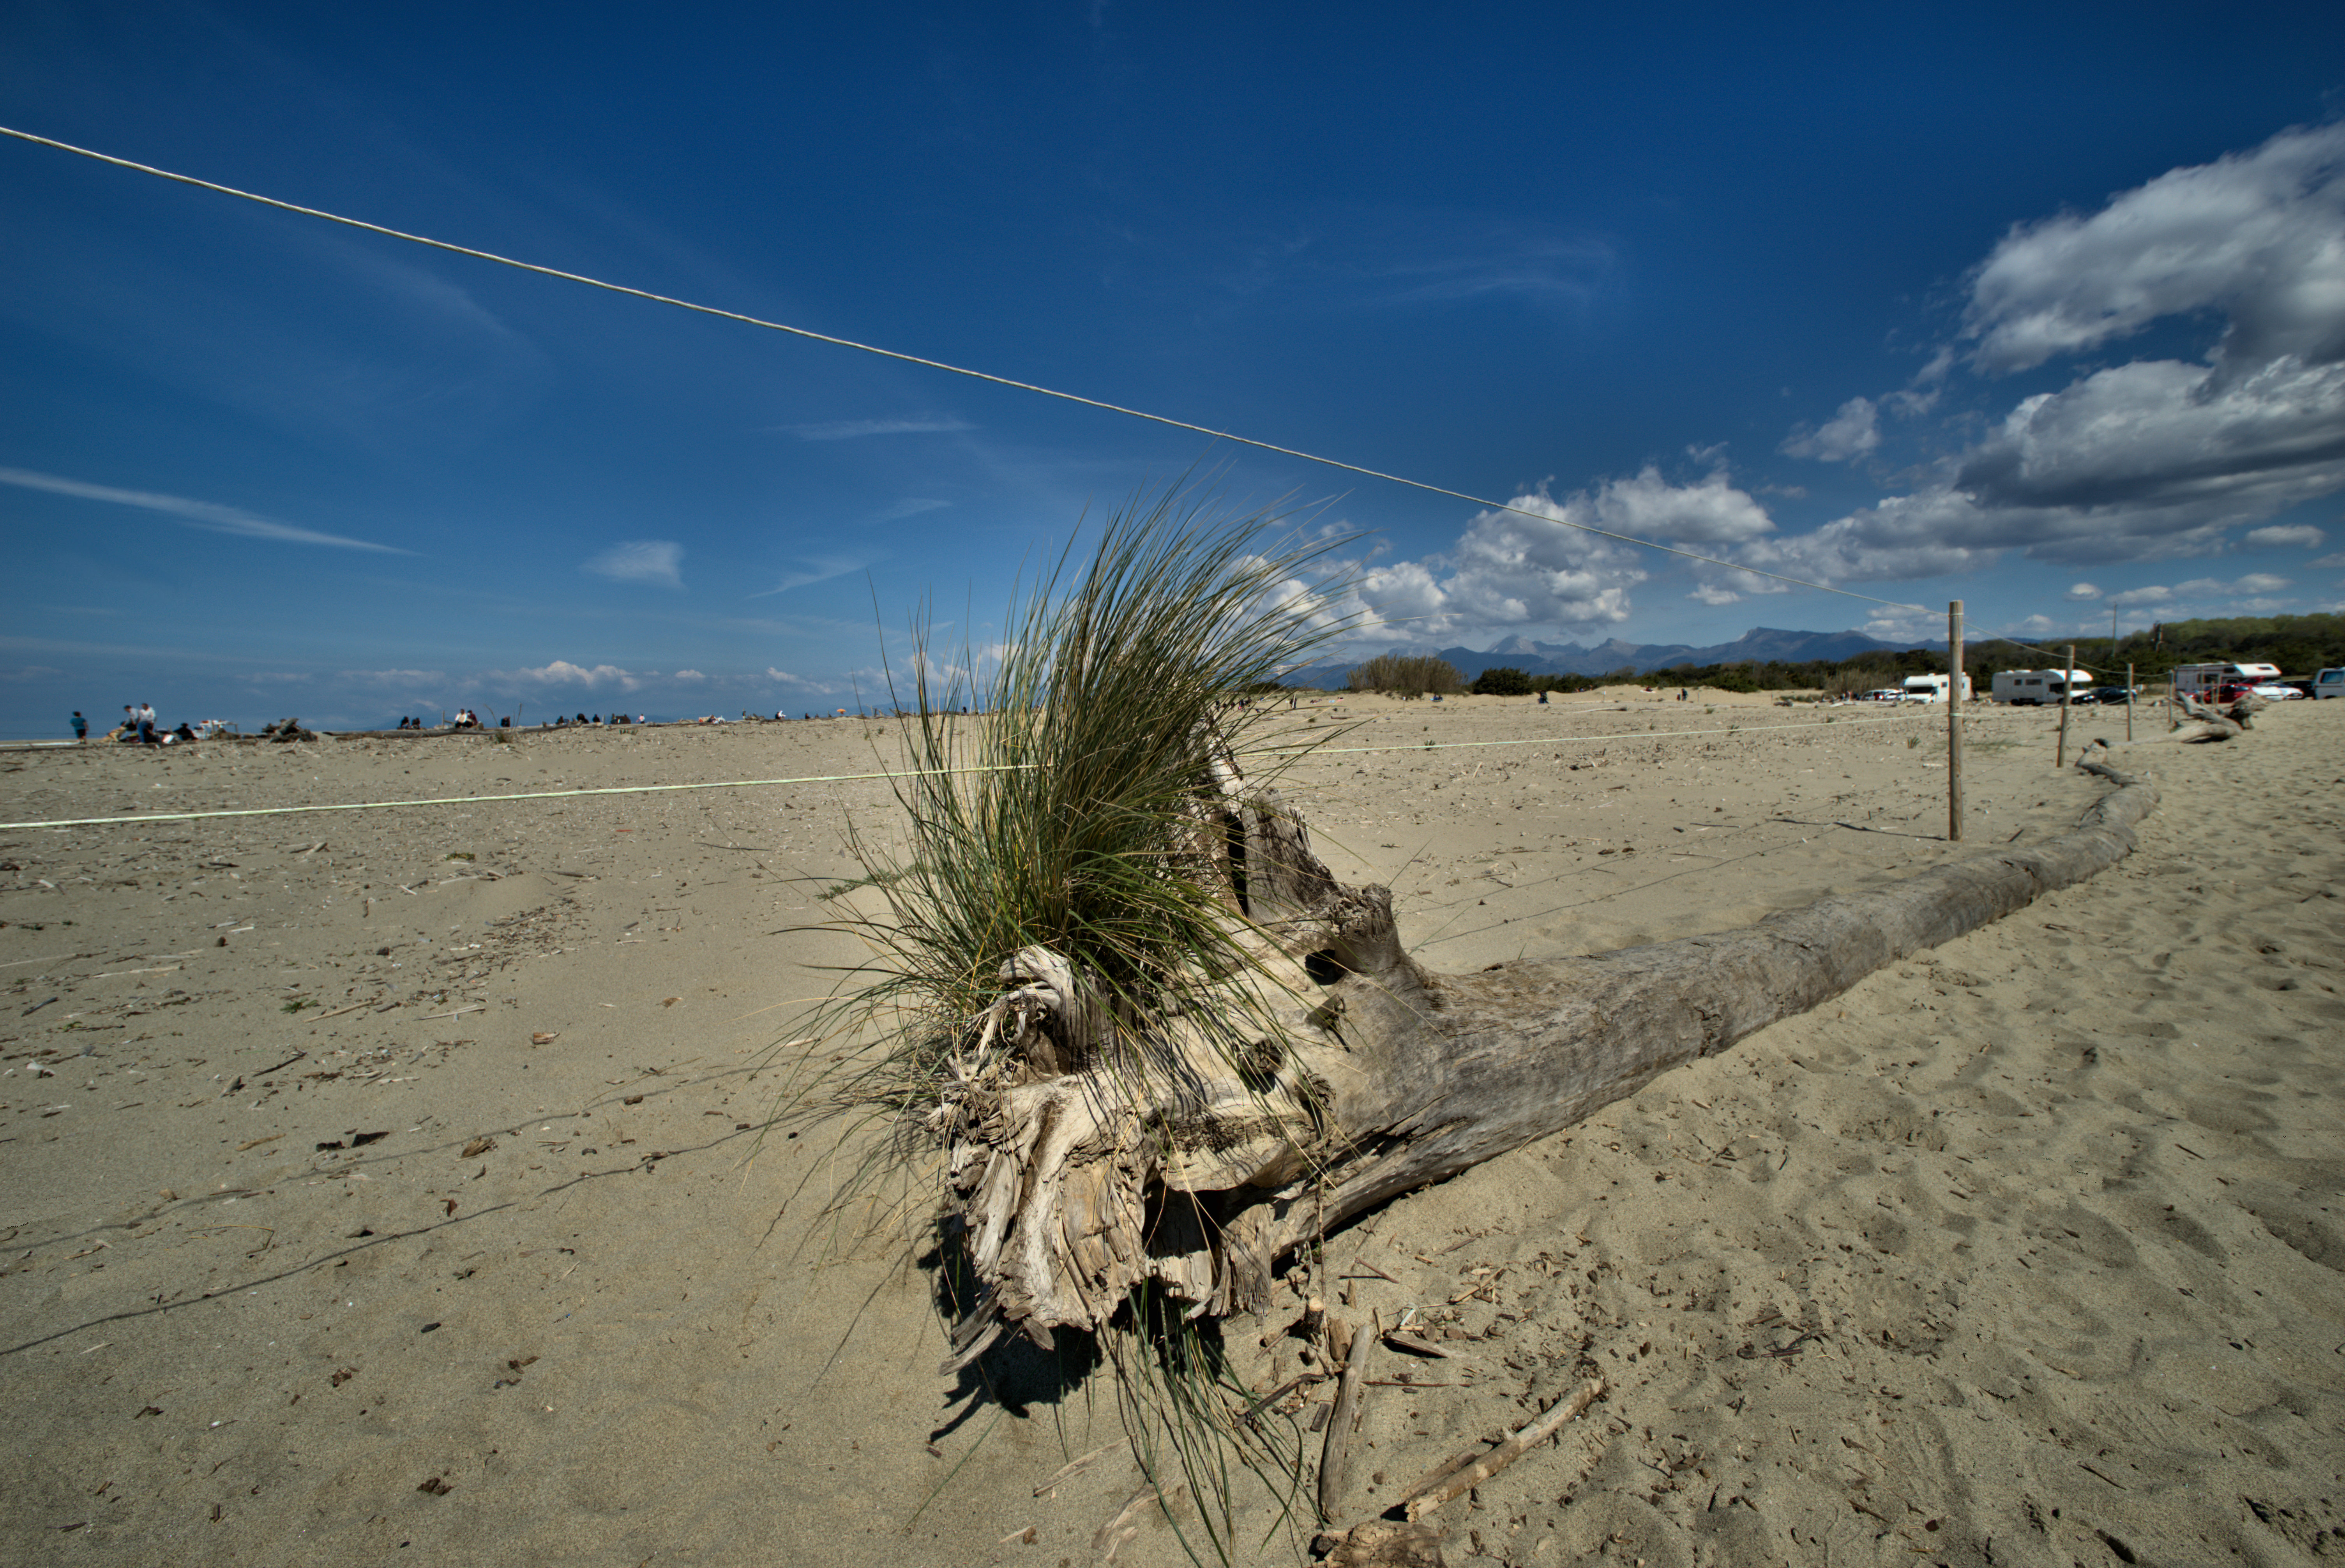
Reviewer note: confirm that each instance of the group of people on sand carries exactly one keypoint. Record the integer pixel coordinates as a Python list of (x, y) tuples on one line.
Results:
[(138, 727), (465, 719)]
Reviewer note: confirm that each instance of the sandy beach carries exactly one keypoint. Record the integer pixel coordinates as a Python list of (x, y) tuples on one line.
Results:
[(394, 1185)]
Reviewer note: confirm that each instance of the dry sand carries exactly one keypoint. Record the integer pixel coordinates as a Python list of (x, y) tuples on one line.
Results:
[(2025, 1251)]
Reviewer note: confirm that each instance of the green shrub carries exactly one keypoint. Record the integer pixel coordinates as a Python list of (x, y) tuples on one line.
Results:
[(1502, 680), (1405, 675)]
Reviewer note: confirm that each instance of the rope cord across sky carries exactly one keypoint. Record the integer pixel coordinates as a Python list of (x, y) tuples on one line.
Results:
[(808, 333)]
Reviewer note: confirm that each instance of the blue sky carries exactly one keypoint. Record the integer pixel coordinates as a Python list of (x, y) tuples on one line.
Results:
[(2039, 307)]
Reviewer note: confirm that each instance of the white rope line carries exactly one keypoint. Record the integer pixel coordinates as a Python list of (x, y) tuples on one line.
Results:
[(937, 366), (853, 777), (1577, 740), (481, 800)]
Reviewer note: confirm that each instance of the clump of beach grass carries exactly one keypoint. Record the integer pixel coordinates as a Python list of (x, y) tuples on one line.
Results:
[(1058, 794), (1065, 813)]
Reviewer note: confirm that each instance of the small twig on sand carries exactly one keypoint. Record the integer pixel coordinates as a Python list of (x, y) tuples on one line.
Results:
[(1074, 1465), (1423, 1347), (1431, 1494), (1125, 1524), (1336, 1458), (1280, 1393)]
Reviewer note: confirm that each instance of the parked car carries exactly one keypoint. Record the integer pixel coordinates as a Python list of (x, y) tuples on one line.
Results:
[(2272, 693), (2107, 693), (2329, 683)]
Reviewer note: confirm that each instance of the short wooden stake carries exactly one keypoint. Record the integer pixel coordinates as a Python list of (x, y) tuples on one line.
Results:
[(1954, 722), (2067, 679), (2128, 704)]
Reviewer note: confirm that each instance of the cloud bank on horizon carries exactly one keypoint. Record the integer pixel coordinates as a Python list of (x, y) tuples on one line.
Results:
[(2151, 459)]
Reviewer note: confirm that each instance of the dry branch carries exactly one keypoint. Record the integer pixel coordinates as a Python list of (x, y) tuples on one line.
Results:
[(1335, 1458), (1433, 1494)]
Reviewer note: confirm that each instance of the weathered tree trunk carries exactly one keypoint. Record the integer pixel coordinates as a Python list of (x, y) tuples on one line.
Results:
[(1357, 1075), (2222, 723)]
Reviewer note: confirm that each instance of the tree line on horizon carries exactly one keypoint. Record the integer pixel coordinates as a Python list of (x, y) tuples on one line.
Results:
[(2299, 645)]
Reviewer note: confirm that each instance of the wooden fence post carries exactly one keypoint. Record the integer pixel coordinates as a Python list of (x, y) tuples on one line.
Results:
[(2128, 704), (2067, 679), (1954, 722)]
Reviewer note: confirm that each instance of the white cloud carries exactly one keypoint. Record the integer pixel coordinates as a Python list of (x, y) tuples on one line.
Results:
[(849, 428), (785, 678), (1851, 432), (1920, 394), (207, 515), (562, 672), (1929, 534), (2252, 586), (395, 678), (1904, 623), (1510, 573), (2254, 235), (1507, 572), (2170, 452), (687, 675), (2328, 563), (1712, 594), (2151, 459), (655, 561), (819, 570), (2302, 533), (2083, 591), (1709, 511)]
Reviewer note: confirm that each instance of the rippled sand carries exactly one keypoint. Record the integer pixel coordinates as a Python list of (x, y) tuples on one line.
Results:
[(2027, 1250)]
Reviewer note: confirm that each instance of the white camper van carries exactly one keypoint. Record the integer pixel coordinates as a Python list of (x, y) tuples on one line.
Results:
[(1931, 688), (2221, 682), (2028, 688)]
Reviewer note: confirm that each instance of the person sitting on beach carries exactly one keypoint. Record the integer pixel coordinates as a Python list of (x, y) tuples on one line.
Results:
[(183, 732)]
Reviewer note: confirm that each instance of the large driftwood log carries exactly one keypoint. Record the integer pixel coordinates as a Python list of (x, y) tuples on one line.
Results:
[(2223, 723), (1082, 1167)]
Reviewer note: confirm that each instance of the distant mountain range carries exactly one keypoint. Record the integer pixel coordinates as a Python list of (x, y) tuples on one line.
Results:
[(1760, 644)]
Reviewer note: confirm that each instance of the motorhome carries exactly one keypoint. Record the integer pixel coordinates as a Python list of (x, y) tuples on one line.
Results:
[(2220, 682), (2028, 688), (1931, 688)]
